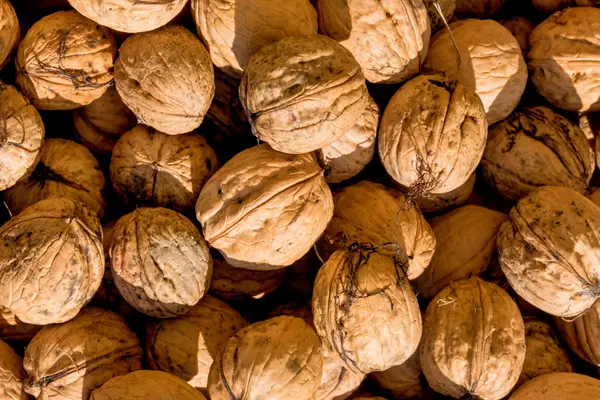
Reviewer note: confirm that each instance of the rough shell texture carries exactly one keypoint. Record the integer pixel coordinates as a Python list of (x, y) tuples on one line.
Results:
[(402, 381), (559, 386), (549, 250), (68, 361), (521, 28), (65, 61), (582, 335), (432, 135), (337, 381), (473, 341), (301, 94), (65, 168), (347, 156), (265, 209), (536, 147), (51, 261), (367, 213), (279, 358), (465, 245), (21, 136), (479, 8), (14, 330), (9, 31), (11, 374), (448, 8), (388, 38), (491, 63), (156, 169), (564, 59), (438, 202), (166, 78), (234, 30), (229, 282)]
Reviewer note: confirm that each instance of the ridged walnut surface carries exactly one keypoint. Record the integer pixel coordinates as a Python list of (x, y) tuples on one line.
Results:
[(229, 282), (9, 31), (402, 381), (582, 335), (337, 381), (559, 386), (479, 8), (11, 374)]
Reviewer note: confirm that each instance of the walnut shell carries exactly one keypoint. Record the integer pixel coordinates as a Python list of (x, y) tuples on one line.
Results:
[(160, 262), (479, 8), (491, 63), (303, 93), (9, 31), (590, 125), (448, 7), (152, 168), (582, 335), (337, 381), (11, 374), (549, 250), (68, 361), (264, 209), (166, 78), (65, 168), (402, 381), (279, 358), (14, 330), (521, 29), (559, 386), (229, 282), (65, 61), (430, 203), (549, 6), (473, 341), (51, 261), (21, 135)]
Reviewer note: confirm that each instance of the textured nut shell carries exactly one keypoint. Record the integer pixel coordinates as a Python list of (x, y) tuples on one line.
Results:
[(402, 381), (13, 329), (264, 209), (11, 374), (301, 94), (279, 358), (367, 213), (337, 381), (448, 8), (21, 136), (68, 361), (521, 28), (9, 31), (229, 282), (439, 202), (160, 262), (388, 38), (429, 124), (51, 261), (473, 341), (234, 30), (66, 169), (549, 250), (187, 346), (479, 8), (153, 168), (583, 334), (564, 59), (492, 64), (559, 386), (166, 78), (65, 61)]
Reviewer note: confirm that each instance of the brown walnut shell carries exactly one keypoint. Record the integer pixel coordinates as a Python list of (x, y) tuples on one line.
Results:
[(9, 31), (14, 330), (402, 381), (582, 335), (479, 8), (521, 28), (337, 381), (448, 7), (559, 386), (229, 282), (11, 374), (550, 6), (430, 203)]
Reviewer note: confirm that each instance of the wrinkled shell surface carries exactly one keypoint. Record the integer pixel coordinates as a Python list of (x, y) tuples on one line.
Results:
[(559, 386), (439, 202), (301, 94), (229, 282), (479, 8), (402, 381), (491, 63), (51, 261), (521, 28), (583, 334), (473, 341), (11, 374), (9, 31), (13, 329), (166, 78), (337, 381), (448, 7)]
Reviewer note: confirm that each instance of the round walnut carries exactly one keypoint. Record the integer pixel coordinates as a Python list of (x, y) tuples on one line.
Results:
[(279, 358), (559, 386), (21, 135), (9, 31), (349, 286), (68, 361), (549, 251), (301, 94), (152, 168), (429, 203), (473, 341), (11, 374), (166, 78), (51, 261), (160, 262), (448, 7), (521, 29), (65, 61), (229, 282), (432, 135), (582, 335), (402, 381), (564, 59), (337, 381), (264, 209), (389, 40), (478, 8), (65, 168), (234, 30), (491, 63), (14, 330), (187, 346), (536, 147)]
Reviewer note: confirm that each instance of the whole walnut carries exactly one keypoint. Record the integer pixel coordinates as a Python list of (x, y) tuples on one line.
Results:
[(521, 28), (68, 361), (51, 261), (14, 330), (9, 31), (152, 168), (234, 30), (21, 136), (65, 61), (65, 168), (265, 209), (402, 381), (160, 262), (447, 6), (559, 386), (337, 381), (491, 63), (187, 346), (11, 374), (582, 335), (303, 93), (229, 282), (473, 341), (389, 39), (279, 358), (536, 147), (479, 8), (564, 59), (432, 135), (428, 203), (166, 78)]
